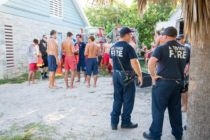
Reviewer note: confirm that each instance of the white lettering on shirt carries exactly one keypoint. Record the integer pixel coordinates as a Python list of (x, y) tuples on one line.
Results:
[(119, 51), (180, 51)]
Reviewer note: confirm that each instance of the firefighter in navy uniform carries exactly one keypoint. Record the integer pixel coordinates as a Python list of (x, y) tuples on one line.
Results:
[(166, 92), (124, 95)]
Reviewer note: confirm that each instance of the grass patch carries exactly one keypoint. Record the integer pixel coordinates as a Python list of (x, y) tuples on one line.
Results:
[(44, 129), (110, 98), (24, 78), (73, 136), (30, 131), (1, 114), (20, 79), (26, 136), (143, 68), (102, 74)]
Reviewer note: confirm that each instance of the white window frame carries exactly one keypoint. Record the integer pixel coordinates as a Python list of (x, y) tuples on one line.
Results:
[(52, 15)]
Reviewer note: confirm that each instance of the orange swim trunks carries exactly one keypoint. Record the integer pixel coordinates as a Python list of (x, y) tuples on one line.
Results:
[(106, 58), (70, 63)]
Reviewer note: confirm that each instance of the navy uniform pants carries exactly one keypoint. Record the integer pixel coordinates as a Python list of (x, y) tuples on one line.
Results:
[(166, 94), (123, 96)]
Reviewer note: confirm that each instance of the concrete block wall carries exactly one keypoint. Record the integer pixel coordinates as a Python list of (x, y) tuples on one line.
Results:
[(24, 31)]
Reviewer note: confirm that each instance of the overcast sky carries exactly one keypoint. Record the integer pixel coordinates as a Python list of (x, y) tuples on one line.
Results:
[(83, 2)]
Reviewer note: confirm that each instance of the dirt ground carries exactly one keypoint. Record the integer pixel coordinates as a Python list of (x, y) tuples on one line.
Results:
[(82, 113)]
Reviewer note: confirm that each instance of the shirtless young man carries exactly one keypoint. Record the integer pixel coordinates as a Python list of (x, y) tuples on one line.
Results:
[(159, 39), (70, 61), (53, 60), (132, 43), (92, 51), (105, 53)]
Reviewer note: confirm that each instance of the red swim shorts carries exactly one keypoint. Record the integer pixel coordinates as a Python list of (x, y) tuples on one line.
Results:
[(33, 66), (70, 63), (106, 58), (148, 55)]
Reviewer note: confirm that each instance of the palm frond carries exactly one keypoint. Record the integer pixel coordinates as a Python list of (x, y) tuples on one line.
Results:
[(196, 15)]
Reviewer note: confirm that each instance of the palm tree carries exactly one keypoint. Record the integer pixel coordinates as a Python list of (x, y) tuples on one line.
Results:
[(197, 22)]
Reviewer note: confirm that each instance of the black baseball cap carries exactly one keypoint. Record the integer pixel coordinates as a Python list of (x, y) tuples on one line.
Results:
[(180, 36), (170, 31), (125, 30)]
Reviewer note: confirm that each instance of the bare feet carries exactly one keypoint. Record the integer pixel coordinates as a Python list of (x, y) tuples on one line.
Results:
[(55, 83), (88, 86), (184, 109), (28, 84), (85, 81), (54, 87), (77, 81), (34, 83), (72, 87), (67, 87), (94, 85)]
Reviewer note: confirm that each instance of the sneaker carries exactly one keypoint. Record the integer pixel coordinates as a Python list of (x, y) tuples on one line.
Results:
[(43, 77), (46, 76)]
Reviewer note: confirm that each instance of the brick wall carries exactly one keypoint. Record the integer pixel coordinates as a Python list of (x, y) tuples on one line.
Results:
[(24, 31)]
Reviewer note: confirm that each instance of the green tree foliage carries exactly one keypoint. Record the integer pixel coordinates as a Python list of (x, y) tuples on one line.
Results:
[(119, 14)]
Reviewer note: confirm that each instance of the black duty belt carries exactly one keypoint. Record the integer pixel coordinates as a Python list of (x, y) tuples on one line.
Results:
[(125, 71), (169, 79)]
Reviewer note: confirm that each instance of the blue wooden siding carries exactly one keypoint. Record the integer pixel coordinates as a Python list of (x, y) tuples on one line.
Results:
[(40, 10)]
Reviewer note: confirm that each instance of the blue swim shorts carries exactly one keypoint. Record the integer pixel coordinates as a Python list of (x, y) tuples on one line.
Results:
[(52, 66), (92, 66)]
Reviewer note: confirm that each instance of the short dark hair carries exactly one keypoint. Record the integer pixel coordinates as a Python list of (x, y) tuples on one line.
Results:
[(69, 34), (36, 41), (121, 36), (53, 32), (79, 35), (92, 37), (109, 37), (44, 36)]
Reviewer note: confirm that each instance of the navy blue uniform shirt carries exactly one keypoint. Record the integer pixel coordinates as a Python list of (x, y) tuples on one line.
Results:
[(167, 63), (81, 49), (125, 53)]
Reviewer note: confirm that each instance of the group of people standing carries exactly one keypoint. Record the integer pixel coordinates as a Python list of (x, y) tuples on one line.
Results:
[(50, 55), (164, 68)]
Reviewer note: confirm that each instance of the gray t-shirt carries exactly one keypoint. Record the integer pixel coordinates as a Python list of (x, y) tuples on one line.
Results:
[(31, 51)]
